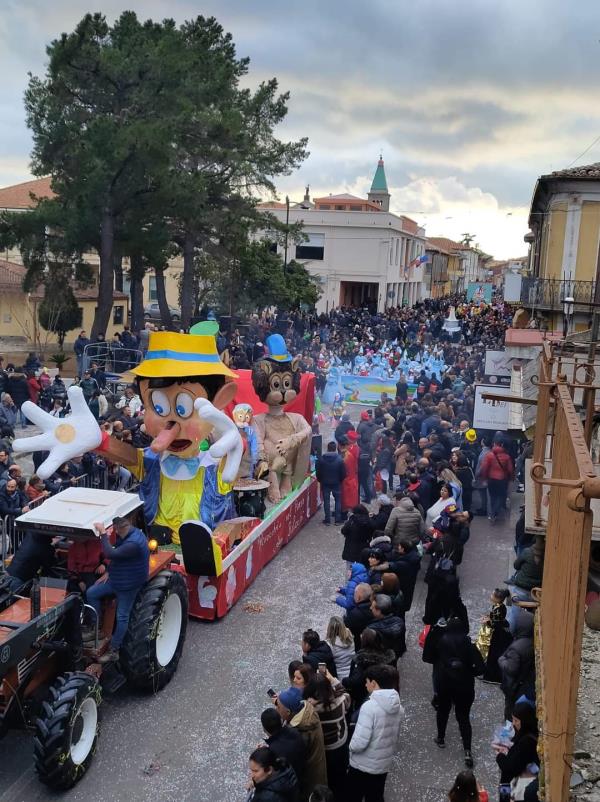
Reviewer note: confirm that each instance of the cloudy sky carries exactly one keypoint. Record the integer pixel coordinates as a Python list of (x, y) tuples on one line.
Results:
[(469, 101)]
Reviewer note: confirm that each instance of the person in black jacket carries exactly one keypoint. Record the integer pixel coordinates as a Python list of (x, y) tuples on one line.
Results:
[(331, 472), (405, 562), (380, 518), (344, 426), (13, 502), (372, 652), (271, 779), (514, 760), (456, 663), (35, 553), (285, 742), (391, 627), (360, 616), (357, 534), (444, 601), (315, 651)]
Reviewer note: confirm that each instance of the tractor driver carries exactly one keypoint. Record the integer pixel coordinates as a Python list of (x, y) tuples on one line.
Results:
[(127, 573)]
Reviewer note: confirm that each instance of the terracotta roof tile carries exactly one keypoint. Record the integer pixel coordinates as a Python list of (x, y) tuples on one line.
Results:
[(19, 195), (446, 244), (589, 172)]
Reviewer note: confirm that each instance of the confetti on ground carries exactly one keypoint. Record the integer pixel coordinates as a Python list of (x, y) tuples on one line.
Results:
[(253, 607)]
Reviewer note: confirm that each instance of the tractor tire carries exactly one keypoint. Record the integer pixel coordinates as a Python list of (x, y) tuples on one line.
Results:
[(154, 641), (67, 730)]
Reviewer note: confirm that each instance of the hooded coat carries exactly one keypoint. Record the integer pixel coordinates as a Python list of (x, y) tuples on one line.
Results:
[(517, 664), (308, 724), (405, 523), (358, 574), (375, 738)]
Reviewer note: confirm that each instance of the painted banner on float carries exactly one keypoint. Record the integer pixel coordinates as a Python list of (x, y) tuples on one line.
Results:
[(366, 389), (478, 292), (212, 597)]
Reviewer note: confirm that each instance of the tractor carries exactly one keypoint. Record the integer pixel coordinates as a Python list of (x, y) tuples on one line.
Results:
[(51, 680)]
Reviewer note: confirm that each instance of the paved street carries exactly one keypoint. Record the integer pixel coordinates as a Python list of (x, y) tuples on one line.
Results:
[(190, 743)]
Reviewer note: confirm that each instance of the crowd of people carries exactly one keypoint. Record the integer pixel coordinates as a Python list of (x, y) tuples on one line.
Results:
[(406, 479), (405, 482)]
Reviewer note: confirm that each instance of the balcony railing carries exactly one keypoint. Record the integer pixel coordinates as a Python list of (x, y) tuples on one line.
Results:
[(549, 293)]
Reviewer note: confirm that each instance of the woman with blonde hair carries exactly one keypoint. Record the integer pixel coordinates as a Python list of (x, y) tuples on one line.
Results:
[(341, 641), (450, 478)]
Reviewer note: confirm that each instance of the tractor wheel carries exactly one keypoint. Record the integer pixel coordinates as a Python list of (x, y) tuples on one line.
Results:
[(67, 730), (156, 633)]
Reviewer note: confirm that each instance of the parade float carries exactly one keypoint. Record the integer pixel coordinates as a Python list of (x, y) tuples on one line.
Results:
[(374, 372), (189, 476)]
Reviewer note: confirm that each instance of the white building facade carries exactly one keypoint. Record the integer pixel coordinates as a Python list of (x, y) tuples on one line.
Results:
[(360, 254)]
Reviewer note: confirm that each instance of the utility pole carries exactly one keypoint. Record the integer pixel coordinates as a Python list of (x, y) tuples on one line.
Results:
[(287, 224)]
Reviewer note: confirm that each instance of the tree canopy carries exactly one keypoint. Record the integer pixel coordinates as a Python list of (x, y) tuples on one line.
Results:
[(153, 147)]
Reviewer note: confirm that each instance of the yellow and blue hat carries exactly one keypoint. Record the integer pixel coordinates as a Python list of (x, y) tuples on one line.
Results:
[(172, 354), (278, 351)]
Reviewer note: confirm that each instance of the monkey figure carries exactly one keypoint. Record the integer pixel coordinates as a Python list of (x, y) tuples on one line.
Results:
[(284, 438)]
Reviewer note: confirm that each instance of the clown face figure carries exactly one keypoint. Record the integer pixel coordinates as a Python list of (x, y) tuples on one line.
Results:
[(242, 416)]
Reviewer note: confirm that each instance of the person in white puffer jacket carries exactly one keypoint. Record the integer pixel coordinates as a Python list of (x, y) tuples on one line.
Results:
[(375, 738)]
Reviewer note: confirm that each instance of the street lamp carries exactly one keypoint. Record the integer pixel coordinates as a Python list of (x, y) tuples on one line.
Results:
[(568, 305)]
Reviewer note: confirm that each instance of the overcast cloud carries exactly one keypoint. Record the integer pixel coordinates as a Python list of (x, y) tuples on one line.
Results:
[(469, 102)]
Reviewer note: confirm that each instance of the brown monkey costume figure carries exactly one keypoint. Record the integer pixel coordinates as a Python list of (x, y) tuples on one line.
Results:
[(284, 438)]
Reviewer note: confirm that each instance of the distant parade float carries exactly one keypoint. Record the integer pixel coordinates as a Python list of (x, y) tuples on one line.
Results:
[(377, 372)]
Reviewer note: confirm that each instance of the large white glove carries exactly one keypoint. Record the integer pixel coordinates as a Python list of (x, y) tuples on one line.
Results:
[(228, 444), (65, 437)]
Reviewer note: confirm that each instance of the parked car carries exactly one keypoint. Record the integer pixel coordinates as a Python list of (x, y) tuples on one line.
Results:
[(152, 312)]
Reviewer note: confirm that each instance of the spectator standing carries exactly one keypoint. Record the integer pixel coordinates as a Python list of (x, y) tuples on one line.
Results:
[(357, 532), (79, 347), (302, 715), (456, 663), (405, 521), (285, 742), (18, 389), (497, 470), (341, 642), (517, 664), (13, 502), (34, 386), (390, 626), (331, 703), (375, 737), (514, 761), (88, 385), (271, 779), (8, 415), (331, 473), (349, 452), (360, 616), (315, 651), (405, 563)]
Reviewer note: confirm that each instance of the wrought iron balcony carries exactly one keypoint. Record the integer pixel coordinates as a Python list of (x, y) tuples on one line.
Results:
[(549, 293)]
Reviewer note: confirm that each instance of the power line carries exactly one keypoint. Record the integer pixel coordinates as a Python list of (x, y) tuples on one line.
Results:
[(584, 152)]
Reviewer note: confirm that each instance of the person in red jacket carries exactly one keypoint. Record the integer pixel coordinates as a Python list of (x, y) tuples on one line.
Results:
[(85, 564), (497, 469), (349, 452)]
